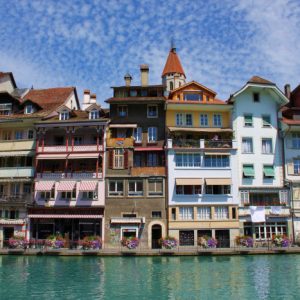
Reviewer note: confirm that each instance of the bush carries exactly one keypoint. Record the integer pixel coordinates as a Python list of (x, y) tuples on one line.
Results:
[(18, 242), (168, 242), (207, 242), (246, 241), (55, 241), (130, 243), (90, 242)]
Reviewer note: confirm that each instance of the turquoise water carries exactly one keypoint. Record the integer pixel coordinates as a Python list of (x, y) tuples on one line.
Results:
[(236, 277)]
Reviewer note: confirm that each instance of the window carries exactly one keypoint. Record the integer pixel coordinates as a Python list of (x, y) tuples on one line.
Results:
[(187, 159), (171, 86), (118, 158), (179, 120), (30, 134), (18, 135), (2, 190), (296, 140), (216, 161), (5, 108), (173, 213), (6, 135), (144, 93), (135, 188), (152, 134), (266, 146), (59, 140), (217, 120), (27, 188), (188, 189), (203, 213), (48, 195), (11, 214), (68, 195), (15, 189), (155, 187), (64, 115), (268, 198), (248, 171), (28, 109), (152, 160), (267, 230), (218, 189), (88, 195), (186, 238), (268, 171), (133, 93), (152, 111), (122, 111), (221, 212), (78, 140), (115, 188), (297, 166), (156, 214), (193, 97), (247, 145), (94, 114), (203, 120), (129, 215), (283, 197), (137, 134), (234, 213), (248, 121), (256, 97), (188, 120), (244, 197), (266, 121), (186, 213)]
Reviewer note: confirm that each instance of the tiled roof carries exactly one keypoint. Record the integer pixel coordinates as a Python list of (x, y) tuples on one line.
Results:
[(290, 121), (259, 80), (173, 64)]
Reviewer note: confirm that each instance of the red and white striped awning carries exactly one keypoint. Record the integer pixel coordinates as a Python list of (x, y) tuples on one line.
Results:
[(66, 186), (83, 155), (53, 216), (88, 186), (44, 185), (51, 156)]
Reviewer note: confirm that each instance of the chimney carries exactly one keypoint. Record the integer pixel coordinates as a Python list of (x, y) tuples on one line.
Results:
[(287, 91), (93, 99), (144, 74), (128, 79), (86, 96)]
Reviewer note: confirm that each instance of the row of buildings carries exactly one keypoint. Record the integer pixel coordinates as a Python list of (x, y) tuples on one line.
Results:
[(167, 159)]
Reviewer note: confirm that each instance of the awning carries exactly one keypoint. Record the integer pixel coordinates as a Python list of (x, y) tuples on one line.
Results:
[(123, 126), (9, 179), (127, 220), (216, 153), (44, 185), (269, 171), (218, 181), (148, 148), (189, 181), (66, 186), (12, 222), (88, 186), (17, 153), (83, 155), (248, 171), (62, 216), (51, 156), (197, 129)]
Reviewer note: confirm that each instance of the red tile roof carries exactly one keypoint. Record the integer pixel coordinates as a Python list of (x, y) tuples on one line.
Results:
[(173, 64), (290, 121), (260, 80)]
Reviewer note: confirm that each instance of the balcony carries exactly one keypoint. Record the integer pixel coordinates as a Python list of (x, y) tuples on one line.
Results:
[(148, 171), (119, 142), (13, 145), (285, 211), (201, 144), (73, 175), (16, 199), (218, 144), (70, 148), (16, 172)]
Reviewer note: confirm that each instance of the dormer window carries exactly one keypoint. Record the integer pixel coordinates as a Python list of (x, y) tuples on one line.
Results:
[(29, 109), (64, 115), (5, 109), (193, 97), (94, 114)]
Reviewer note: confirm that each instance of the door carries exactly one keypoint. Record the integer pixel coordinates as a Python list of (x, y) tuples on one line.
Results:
[(156, 236), (8, 232), (223, 238)]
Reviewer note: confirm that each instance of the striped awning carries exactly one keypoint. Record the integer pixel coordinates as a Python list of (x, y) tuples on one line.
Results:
[(62, 216), (83, 155), (88, 186), (66, 186), (44, 185), (51, 156), (218, 181), (189, 181)]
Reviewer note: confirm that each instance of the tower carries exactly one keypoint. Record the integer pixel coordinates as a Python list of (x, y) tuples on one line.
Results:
[(173, 75)]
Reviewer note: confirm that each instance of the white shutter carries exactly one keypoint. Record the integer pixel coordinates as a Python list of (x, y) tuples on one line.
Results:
[(283, 197)]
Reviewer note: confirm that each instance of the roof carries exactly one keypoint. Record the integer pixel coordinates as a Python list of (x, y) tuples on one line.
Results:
[(259, 80), (173, 64), (290, 121), (135, 99), (10, 74)]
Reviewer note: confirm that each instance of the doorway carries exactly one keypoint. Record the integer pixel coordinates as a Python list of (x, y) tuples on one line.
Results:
[(156, 236), (223, 238)]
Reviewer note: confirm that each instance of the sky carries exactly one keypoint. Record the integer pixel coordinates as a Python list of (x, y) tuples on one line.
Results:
[(92, 44)]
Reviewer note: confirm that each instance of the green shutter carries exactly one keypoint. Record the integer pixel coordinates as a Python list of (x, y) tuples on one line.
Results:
[(248, 120), (248, 170), (266, 121), (269, 171)]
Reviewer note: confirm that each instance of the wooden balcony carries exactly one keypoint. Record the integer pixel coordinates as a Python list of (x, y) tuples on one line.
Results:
[(148, 171), (120, 142), (70, 148)]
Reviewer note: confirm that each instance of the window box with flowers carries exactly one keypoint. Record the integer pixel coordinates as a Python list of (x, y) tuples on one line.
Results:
[(244, 241), (281, 241), (168, 242), (207, 242), (130, 243), (90, 243), (55, 242), (18, 242)]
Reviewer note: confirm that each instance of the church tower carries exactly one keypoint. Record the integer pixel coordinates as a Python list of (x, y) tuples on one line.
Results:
[(173, 74)]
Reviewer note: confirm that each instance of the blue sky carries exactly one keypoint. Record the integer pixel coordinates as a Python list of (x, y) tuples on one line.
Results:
[(92, 44)]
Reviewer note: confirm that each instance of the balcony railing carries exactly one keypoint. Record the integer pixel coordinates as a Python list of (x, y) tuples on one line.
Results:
[(17, 198), (13, 145), (218, 144), (70, 148), (144, 171), (16, 172), (119, 142), (201, 143), (74, 175), (186, 143), (245, 211)]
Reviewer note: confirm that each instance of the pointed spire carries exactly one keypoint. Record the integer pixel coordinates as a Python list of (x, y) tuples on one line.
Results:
[(173, 64)]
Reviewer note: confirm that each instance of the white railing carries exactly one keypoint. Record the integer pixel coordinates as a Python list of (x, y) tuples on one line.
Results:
[(79, 175), (75, 148), (245, 211)]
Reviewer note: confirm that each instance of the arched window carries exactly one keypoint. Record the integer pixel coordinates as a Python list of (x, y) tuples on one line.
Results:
[(171, 86)]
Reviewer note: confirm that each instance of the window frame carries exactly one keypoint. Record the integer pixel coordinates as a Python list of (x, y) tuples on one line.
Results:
[(152, 116), (220, 119), (155, 193), (116, 192), (248, 124), (136, 192), (262, 147), (205, 117), (152, 138), (122, 113), (264, 123)]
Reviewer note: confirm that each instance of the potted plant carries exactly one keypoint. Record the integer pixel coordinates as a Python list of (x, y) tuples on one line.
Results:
[(245, 241), (18, 242), (55, 241), (168, 242), (207, 242), (280, 240), (130, 243), (90, 243)]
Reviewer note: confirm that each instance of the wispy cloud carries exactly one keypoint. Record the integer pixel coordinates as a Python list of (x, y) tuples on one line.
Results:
[(92, 44)]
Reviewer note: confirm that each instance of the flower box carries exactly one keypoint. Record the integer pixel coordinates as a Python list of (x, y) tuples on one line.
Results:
[(207, 242), (168, 242), (90, 243), (130, 243), (244, 241)]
